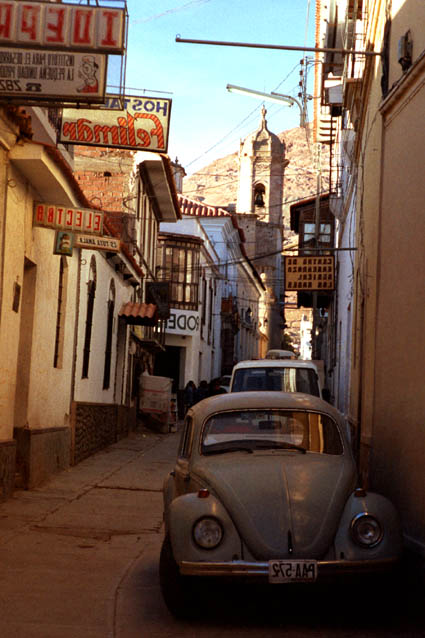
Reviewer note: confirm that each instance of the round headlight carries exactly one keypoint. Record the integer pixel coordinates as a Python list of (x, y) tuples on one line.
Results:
[(366, 530), (207, 533)]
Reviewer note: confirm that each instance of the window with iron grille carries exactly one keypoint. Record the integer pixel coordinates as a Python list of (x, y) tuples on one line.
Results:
[(178, 263)]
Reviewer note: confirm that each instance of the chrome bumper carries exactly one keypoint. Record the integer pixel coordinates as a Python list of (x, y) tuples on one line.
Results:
[(244, 569)]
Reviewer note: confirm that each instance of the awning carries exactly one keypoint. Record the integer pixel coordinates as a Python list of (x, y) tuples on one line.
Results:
[(139, 314)]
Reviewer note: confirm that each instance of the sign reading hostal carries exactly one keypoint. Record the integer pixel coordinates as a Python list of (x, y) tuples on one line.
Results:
[(310, 273), (82, 220), (62, 26), (142, 125)]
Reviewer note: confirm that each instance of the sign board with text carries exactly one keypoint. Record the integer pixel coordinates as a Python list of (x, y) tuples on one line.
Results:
[(310, 273), (142, 125), (52, 75), (92, 242), (83, 220), (62, 26), (183, 322)]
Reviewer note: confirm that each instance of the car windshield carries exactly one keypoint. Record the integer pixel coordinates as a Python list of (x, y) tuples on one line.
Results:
[(284, 379), (262, 429)]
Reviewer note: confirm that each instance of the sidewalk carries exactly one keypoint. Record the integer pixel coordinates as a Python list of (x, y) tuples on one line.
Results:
[(66, 546)]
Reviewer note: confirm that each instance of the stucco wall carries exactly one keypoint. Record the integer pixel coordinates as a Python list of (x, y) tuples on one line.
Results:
[(399, 412), (91, 388)]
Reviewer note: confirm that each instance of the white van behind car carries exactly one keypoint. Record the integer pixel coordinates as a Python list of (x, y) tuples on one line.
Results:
[(285, 375), (280, 354)]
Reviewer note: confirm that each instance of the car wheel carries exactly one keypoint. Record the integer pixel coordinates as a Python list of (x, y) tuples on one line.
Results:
[(177, 591)]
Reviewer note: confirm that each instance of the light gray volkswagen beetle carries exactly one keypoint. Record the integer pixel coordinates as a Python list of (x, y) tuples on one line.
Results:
[(265, 488)]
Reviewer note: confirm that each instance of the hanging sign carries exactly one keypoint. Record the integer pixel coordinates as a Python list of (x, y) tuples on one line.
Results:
[(62, 26), (183, 322), (53, 75), (64, 243), (92, 242), (158, 293), (310, 273), (142, 125), (83, 220)]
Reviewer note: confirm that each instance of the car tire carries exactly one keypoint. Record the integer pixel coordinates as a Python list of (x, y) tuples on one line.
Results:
[(177, 591)]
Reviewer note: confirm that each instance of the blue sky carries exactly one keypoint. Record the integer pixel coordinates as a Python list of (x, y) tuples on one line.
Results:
[(207, 121)]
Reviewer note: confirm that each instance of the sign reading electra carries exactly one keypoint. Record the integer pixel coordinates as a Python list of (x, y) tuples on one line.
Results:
[(143, 124), (83, 220), (62, 26), (52, 75), (310, 273)]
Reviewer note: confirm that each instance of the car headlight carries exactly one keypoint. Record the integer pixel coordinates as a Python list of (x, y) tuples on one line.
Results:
[(366, 530), (207, 533)]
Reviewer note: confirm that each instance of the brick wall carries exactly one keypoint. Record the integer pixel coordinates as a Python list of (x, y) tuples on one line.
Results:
[(104, 176)]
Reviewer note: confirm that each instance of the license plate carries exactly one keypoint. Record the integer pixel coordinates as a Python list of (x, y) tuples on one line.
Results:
[(292, 571)]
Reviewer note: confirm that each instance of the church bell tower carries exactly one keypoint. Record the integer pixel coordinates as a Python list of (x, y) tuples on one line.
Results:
[(262, 166)]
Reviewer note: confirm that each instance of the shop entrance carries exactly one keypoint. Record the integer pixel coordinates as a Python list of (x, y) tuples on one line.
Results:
[(167, 364)]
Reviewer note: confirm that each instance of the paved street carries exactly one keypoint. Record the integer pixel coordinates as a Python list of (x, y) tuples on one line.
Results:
[(79, 559)]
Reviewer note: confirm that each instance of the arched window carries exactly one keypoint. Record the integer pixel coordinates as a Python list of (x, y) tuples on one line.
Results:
[(91, 292), (109, 327), (259, 195)]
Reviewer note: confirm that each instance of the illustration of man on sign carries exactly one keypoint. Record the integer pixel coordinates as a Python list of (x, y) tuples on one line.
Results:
[(64, 243), (87, 72)]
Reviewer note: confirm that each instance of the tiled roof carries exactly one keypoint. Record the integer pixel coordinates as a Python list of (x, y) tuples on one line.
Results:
[(198, 209), (141, 314)]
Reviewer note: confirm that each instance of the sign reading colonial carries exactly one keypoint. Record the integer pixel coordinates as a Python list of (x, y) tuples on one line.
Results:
[(310, 273), (142, 125), (52, 75), (83, 220), (62, 26)]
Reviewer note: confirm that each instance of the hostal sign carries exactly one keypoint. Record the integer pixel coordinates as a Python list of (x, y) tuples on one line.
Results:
[(142, 125)]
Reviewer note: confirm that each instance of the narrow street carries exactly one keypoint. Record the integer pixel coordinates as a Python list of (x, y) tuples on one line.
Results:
[(79, 558)]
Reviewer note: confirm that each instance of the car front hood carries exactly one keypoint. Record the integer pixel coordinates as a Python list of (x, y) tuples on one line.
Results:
[(282, 501)]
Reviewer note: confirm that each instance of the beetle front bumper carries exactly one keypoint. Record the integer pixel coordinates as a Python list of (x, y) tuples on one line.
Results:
[(253, 570)]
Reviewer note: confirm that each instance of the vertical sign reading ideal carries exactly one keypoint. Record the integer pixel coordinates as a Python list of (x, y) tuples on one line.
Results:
[(142, 125)]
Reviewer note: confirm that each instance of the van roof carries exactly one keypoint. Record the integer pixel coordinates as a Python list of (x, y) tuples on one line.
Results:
[(275, 363), (280, 354)]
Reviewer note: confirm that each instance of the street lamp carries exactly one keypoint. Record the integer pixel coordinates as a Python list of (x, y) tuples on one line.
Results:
[(272, 97)]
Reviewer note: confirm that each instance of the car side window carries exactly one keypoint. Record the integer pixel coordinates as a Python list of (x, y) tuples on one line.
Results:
[(186, 438)]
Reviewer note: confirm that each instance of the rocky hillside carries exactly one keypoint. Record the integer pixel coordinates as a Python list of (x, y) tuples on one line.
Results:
[(216, 184)]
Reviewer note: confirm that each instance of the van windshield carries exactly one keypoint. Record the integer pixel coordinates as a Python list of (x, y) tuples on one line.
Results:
[(283, 379)]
